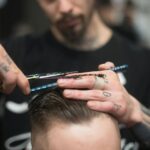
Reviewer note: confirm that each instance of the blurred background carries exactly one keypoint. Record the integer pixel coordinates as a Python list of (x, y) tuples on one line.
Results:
[(131, 18)]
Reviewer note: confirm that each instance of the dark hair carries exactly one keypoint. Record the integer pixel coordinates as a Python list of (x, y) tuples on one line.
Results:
[(130, 4), (50, 106)]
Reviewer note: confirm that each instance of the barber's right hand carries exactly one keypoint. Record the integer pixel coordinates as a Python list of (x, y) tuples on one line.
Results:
[(10, 75)]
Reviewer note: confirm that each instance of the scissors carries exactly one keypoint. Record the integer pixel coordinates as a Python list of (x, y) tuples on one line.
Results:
[(54, 75), (48, 76), (58, 75)]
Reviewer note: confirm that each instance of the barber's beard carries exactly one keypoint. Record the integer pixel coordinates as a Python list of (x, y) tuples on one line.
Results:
[(72, 28)]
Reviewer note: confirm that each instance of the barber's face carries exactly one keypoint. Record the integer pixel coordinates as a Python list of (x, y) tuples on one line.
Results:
[(99, 134), (69, 17)]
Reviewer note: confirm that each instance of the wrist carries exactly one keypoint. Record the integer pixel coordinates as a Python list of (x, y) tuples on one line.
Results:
[(136, 114), (138, 121)]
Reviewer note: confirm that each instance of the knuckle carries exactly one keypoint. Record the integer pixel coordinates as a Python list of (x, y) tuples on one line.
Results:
[(96, 95), (90, 82), (124, 109), (112, 74), (78, 94), (69, 82), (110, 107)]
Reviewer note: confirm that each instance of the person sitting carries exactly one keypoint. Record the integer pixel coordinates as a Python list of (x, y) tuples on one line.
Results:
[(58, 123)]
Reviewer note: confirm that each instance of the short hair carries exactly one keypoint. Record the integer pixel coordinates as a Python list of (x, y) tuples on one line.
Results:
[(50, 106)]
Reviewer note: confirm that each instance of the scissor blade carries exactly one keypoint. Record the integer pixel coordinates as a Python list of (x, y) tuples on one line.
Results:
[(33, 76), (46, 86), (54, 75)]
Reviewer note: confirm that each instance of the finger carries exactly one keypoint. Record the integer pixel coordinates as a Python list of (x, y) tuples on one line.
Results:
[(23, 83), (106, 106), (105, 66), (8, 84), (96, 95), (99, 83), (80, 83), (11, 75), (91, 82)]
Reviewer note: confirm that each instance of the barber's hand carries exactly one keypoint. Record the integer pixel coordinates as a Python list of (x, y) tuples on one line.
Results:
[(104, 94), (11, 75)]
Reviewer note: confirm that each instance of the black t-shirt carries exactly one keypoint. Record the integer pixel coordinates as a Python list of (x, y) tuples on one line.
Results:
[(45, 54)]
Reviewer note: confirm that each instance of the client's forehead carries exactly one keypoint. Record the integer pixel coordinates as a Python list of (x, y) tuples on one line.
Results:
[(92, 135)]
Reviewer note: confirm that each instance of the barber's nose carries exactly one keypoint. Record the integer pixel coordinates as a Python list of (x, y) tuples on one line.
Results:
[(65, 6)]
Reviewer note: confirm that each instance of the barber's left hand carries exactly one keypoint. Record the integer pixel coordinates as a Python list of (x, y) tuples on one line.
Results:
[(104, 94)]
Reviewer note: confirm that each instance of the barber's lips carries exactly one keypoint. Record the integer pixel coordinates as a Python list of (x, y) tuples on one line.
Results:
[(70, 23)]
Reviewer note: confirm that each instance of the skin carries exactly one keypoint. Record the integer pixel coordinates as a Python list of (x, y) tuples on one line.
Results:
[(11, 75), (67, 136), (110, 97)]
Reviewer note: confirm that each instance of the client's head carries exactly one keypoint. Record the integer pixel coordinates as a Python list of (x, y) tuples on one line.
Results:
[(61, 124)]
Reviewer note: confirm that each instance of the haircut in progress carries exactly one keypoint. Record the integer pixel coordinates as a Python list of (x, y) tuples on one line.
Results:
[(69, 124)]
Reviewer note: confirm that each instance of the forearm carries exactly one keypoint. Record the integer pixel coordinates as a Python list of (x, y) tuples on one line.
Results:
[(141, 130)]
